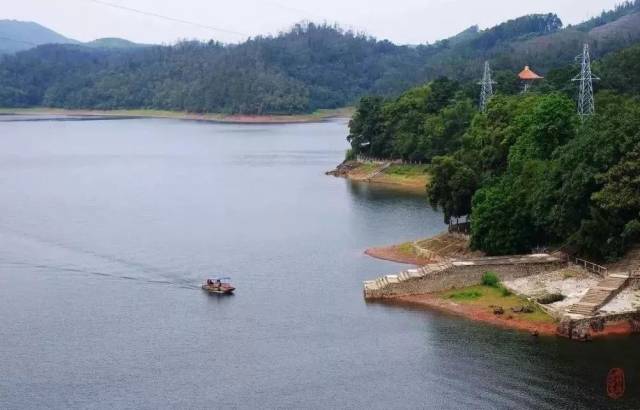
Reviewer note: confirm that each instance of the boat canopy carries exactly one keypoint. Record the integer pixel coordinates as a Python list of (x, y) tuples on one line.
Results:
[(221, 279)]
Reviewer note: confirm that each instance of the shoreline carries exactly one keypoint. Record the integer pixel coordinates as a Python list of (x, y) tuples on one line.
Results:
[(395, 253), (318, 116), (474, 313), (402, 177), (425, 251)]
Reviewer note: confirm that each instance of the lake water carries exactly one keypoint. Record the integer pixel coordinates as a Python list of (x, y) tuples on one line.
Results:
[(107, 229)]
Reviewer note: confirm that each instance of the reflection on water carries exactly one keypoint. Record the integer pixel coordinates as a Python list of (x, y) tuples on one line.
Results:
[(375, 192), (109, 228), (7, 117)]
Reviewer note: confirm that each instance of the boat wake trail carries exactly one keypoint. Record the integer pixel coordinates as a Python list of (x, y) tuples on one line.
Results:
[(184, 284), (111, 266)]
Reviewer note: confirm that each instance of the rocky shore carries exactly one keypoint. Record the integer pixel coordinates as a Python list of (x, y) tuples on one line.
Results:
[(554, 289)]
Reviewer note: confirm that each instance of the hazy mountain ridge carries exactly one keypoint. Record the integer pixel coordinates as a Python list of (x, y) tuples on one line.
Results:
[(114, 42), (18, 36), (22, 35)]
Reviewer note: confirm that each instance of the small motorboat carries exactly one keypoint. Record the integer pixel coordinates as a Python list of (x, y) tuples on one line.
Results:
[(218, 285)]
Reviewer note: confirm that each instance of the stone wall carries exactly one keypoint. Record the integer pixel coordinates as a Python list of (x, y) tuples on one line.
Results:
[(464, 274), (584, 329), (634, 283)]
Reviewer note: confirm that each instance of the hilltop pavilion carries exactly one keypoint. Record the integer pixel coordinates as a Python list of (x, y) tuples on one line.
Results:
[(528, 77)]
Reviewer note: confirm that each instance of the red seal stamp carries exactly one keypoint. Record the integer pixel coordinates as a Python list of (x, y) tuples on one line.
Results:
[(615, 383)]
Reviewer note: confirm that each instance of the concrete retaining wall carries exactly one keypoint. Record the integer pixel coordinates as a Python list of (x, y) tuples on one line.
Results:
[(584, 329), (460, 274)]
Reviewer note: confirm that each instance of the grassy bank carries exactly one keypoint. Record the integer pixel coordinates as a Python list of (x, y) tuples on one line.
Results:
[(415, 176), (489, 298), (421, 252), (479, 303), (402, 253), (407, 177), (316, 116), (492, 304)]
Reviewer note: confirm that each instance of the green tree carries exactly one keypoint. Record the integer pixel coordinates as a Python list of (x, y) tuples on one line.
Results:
[(614, 223), (550, 123), (451, 187), (500, 223), (367, 129)]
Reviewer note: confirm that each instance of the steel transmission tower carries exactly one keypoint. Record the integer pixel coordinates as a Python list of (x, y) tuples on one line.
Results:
[(487, 87), (586, 103)]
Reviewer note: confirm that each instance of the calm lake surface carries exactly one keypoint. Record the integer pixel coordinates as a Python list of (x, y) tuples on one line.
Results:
[(107, 229)]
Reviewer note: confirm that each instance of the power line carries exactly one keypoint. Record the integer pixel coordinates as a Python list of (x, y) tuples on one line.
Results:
[(586, 102), (173, 19), (302, 12), (487, 87)]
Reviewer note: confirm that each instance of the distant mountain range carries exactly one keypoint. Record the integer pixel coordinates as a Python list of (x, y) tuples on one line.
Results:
[(311, 66), (23, 35)]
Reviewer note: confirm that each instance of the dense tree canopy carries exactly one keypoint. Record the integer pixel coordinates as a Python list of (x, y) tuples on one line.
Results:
[(420, 124), (527, 171)]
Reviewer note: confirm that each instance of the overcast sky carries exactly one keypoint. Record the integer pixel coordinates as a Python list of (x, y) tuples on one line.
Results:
[(401, 21)]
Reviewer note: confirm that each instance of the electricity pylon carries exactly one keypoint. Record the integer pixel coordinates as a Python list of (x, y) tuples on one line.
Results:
[(487, 87), (586, 103)]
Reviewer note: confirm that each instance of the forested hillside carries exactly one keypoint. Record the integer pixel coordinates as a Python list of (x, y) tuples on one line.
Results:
[(309, 67), (527, 172)]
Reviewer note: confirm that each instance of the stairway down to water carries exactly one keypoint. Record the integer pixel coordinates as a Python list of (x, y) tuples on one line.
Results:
[(600, 295), (378, 171), (378, 285)]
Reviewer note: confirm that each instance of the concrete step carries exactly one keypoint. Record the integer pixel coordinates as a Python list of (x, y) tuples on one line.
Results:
[(378, 171), (620, 275), (599, 295), (391, 279), (581, 308), (370, 285), (581, 312)]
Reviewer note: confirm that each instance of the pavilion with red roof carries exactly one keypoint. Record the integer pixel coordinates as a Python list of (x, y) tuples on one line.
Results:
[(528, 76)]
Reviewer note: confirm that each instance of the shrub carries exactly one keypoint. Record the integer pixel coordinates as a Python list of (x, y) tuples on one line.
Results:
[(350, 155), (490, 279), (505, 292)]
